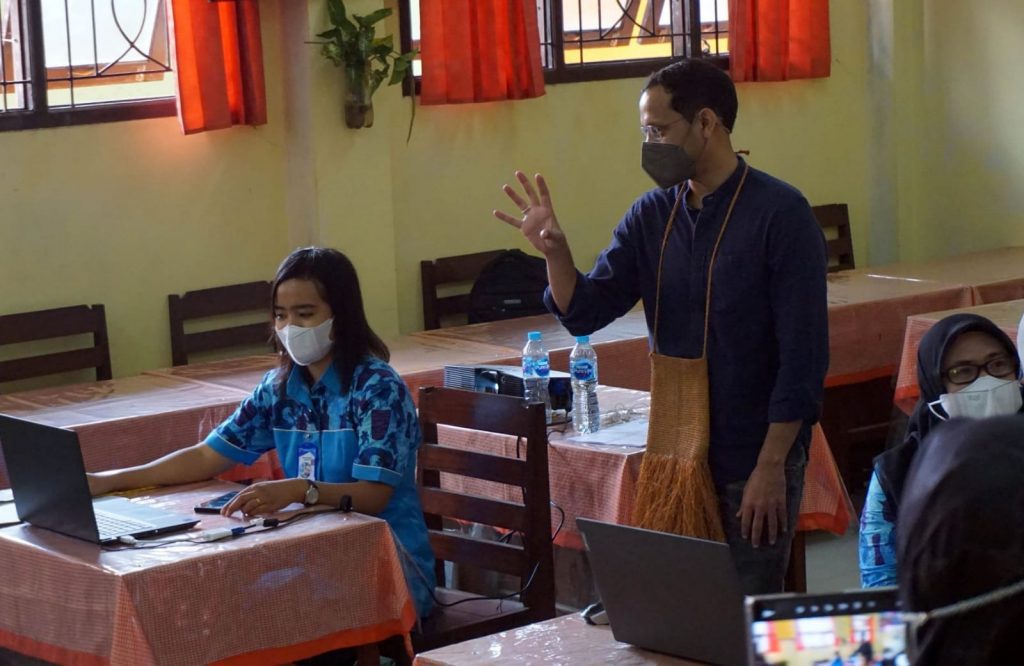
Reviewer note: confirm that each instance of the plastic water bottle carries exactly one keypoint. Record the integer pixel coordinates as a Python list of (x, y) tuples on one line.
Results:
[(536, 370), (586, 415)]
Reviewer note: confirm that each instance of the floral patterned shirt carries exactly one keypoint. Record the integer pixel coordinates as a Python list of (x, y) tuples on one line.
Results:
[(369, 433)]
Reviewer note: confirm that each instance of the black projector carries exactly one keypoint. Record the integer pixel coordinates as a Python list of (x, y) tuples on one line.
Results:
[(507, 380)]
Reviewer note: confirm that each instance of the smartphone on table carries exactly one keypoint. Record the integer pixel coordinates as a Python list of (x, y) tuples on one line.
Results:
[(216, 504)]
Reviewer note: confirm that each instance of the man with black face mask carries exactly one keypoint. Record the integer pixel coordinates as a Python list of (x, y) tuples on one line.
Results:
[(758, 329)]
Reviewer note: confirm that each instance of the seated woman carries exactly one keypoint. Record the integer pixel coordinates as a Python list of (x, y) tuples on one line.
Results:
[(341, 419), (961, 544), (966, 366)]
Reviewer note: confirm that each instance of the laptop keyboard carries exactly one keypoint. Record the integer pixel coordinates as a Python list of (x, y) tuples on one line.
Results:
[(111, 525)]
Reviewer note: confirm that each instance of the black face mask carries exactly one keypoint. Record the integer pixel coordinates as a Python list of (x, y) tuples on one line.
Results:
[(667, 164)]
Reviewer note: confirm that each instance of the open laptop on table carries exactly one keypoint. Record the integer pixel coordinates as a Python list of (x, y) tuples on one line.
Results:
[(44, 465), (668, 593)]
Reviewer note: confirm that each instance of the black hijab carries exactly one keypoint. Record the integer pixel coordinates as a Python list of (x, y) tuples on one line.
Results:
[(891, 467), (962, 534)]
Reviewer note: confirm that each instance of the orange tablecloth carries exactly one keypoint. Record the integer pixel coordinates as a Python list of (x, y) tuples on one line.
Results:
[(599, 481), (867, 313), (132, 420), (1006, 316), (866, 317), (241, 374), (993, 275), (325, 582), (562, 640)]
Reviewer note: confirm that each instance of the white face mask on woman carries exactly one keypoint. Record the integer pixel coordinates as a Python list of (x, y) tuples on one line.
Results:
[(985, 396), (307, 345)]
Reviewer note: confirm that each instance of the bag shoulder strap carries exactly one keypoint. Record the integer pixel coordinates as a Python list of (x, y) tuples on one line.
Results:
[(711, 264)]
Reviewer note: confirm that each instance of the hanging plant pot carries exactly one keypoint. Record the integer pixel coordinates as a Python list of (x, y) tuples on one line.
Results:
[(358, 96)]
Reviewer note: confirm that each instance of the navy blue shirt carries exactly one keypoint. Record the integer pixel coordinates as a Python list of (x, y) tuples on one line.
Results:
[(768, 334)]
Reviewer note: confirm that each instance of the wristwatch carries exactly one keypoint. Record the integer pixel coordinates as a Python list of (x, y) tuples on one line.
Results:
[(312, 494)]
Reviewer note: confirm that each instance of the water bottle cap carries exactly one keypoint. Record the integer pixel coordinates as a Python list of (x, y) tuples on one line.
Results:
[(583, 339), (533, 335)]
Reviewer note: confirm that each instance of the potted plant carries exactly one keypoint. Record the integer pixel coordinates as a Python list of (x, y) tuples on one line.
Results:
[(367, 60)]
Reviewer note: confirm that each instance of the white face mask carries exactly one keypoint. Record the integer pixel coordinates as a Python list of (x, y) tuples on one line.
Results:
[(307, 345), (985, 396)]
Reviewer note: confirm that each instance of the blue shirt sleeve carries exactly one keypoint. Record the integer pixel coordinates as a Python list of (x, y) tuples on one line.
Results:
[(608, 291), (798, 262), (877, 540), (247, 433), (387, 430)]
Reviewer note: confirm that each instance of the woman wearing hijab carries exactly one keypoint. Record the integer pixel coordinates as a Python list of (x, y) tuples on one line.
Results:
[(966, 367), (961, 544)]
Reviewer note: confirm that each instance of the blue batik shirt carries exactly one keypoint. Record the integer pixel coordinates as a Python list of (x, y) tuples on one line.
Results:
[(877, 539), (369, 433)]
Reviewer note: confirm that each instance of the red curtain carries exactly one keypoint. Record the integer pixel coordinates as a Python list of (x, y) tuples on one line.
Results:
[(778, 40), (218, 59), (479, 51)]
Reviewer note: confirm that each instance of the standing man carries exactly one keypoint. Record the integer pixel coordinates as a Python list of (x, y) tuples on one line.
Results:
[(767, 333)]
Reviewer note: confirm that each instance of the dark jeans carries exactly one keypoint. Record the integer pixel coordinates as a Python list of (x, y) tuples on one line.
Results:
[(762, 570)]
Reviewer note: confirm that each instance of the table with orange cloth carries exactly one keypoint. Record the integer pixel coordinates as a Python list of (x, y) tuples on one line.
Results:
[(418, 359), (562, 640), (132, 420), (599, 480), (992, 275), (867, 313), (325, 582), (1005, 315)]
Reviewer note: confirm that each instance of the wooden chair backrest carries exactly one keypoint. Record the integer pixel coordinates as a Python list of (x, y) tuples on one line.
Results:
[(835, 223), (217, 301), (56, 323), (532, 561), (450, 271)]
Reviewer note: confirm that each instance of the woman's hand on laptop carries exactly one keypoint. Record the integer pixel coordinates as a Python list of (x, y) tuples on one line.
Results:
[(267, 497)]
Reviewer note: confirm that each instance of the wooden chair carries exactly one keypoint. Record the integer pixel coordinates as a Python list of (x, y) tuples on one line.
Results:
[(449, 271), (56, 323), (217, 301), (840, 244), (532, 561)]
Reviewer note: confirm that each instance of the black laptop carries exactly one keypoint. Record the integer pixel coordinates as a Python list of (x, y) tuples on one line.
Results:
[(668, 593), (47, 475)]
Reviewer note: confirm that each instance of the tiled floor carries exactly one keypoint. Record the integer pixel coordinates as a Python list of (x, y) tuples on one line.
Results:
[(832, 561)]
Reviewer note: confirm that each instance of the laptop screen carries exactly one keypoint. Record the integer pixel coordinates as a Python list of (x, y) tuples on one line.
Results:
[(842, 629)]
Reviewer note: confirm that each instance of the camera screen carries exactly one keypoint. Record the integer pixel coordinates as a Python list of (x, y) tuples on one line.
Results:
[(855, 630)]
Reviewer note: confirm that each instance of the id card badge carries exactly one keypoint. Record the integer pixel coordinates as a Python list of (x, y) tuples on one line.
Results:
[(307, 461)]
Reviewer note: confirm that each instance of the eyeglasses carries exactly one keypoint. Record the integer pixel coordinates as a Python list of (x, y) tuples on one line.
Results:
[(657, 132), (965, 373)]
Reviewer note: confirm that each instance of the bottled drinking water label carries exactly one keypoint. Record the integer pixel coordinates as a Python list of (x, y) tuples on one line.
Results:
[(583, 370)]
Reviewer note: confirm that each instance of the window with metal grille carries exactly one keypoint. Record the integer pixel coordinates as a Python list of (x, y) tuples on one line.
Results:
[(68, 62), (586, 40)]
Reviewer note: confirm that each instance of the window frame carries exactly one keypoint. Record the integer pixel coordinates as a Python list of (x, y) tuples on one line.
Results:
[(40, 115), (559, 72)]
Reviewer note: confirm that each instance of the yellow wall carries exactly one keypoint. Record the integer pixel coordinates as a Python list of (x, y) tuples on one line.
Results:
[(125, 213), (970, 154), (913, 131)]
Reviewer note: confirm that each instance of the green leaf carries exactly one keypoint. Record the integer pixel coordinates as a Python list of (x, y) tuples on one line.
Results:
[(333, 33), (373, 17), (377, 77), (332, 53), (336, 11), (402, 65)]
